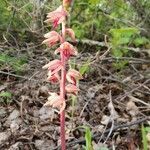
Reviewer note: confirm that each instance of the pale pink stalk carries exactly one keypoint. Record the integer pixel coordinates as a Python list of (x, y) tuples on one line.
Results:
[(62, 92), (66, 50)]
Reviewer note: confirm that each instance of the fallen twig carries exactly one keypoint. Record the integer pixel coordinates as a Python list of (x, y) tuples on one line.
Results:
[(17, 76), (102, 44), (91, 42), (130, 59), (82, 141)]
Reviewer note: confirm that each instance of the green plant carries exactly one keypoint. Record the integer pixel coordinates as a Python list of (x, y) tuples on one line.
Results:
[(141, 41), (85, 68), (5, 97), (120, 40), (122, 36), (145, 130), (88, 138), (16, 64), (99, 16), (4, 15)]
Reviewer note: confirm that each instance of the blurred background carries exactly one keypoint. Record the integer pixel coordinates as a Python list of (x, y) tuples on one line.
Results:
[(91, 19), (124, 24)]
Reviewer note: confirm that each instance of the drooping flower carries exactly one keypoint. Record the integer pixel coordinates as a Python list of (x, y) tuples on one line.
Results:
[(54, 66), (67, 49), (57, 16), (71, 33), (56, 101), (55, 78), (51, 38), (73, 75), (71, 89)]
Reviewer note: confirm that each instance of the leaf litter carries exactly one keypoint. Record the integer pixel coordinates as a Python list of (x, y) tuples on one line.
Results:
[(107, 99)]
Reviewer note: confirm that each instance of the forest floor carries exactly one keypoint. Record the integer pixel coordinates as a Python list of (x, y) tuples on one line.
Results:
[(113, 103)]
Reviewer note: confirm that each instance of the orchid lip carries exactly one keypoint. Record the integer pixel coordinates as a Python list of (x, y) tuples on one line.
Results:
[(57, 16), (56, 101)]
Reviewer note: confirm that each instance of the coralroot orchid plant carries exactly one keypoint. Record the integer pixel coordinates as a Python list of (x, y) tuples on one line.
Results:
[(57, 68)]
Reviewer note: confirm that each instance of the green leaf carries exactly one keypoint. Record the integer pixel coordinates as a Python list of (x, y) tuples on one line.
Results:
[(124, 31), (84, 68), (144, 139), (16, 63), (5, 94), (88, 138), (120, 64), (140, 41), (79, 32), (122, 35), (117, 53), (5, 58), (147, 129)]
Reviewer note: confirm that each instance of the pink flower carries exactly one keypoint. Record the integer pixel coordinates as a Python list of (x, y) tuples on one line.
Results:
[(56, 101), (67, 49), (71, 33), (53, 78), (73, 75), (71, 89), (51, 38), (57, 16), (53, 66)]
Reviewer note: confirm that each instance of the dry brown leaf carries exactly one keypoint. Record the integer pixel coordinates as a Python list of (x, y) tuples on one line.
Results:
[(132, 108), (97, 146), (105, 120), (132, 98), (112, 110)]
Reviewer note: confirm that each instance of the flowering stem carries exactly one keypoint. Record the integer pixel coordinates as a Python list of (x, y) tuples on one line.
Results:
[(62, 132), (66, 50), (62, 92)]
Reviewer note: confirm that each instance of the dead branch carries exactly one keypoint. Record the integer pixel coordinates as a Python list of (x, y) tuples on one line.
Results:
[(103, 44), (91, 42), (95, 136), (130, 59), (18, 76)]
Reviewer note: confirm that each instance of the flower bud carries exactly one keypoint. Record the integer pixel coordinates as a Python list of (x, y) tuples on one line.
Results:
[(67, 3)]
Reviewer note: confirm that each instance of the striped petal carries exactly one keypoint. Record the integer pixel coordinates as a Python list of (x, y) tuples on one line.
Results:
[(71, 89), (71, 33), (57, 16), (67, 49), (73, 75), (55, 100), (53, 78), (51, 38)]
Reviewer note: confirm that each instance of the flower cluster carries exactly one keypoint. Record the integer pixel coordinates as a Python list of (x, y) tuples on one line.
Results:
[(66, 50)]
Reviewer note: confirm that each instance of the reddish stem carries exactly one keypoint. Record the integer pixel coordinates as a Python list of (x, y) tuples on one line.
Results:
[(62, 93), (62, 132)]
